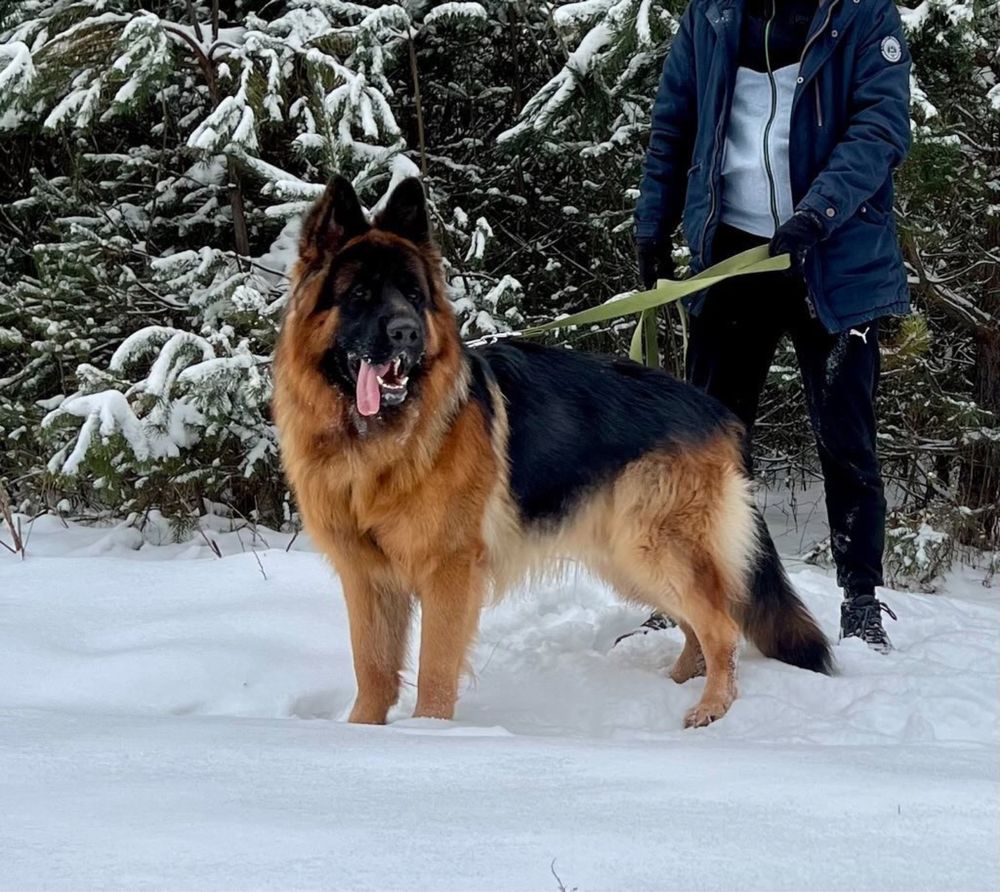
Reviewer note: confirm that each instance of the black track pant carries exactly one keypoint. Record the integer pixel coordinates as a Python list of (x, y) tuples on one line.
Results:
[(731, 348)]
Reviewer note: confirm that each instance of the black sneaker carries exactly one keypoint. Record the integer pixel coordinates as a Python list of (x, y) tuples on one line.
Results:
[(657, 622), (861, 617)]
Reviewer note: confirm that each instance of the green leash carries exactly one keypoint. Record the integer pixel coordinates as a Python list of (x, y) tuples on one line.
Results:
[(667, 291)]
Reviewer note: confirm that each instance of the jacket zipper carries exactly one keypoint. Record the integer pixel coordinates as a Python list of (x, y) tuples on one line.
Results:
[(715, 157), (822, 28), (772, 189)]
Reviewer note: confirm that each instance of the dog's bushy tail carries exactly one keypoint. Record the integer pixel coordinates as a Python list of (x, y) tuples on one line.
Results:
[(774, 618)]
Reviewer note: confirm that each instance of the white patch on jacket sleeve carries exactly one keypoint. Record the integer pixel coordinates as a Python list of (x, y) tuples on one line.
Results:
[(892, 50)]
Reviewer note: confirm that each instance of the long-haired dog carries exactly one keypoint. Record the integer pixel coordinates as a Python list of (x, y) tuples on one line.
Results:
[(427, 470)]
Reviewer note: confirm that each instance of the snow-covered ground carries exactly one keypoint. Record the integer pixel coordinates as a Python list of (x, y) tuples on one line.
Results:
[(170, 719)]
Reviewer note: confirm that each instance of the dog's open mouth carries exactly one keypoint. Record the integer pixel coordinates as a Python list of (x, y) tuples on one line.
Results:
[(380, 384)]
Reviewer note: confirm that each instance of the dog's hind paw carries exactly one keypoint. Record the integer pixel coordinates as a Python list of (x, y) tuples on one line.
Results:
[(686, 668), (705, 713)]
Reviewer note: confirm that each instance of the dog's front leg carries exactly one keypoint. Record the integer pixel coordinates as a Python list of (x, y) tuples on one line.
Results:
[(450, 598), (379, 625)]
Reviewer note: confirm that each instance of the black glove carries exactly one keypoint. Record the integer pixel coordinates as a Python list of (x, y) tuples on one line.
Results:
[(796, 236), (655, 262)]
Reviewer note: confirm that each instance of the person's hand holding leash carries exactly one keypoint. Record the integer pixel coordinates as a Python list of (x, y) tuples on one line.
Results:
[(655, 262), (796, 236)]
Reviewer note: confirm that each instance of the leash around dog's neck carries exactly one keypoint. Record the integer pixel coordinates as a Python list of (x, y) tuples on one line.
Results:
[(644, 345)]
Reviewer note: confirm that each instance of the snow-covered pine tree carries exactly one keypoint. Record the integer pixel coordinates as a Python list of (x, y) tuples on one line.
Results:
[(942, 392), (457, 100), (154, 225), (188, 142)]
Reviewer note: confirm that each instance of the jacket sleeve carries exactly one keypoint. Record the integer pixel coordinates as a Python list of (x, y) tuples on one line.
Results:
[(878, 132), (671, 139)]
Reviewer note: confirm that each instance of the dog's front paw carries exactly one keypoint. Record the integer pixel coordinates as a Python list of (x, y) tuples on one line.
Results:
[(444, 711), (368, 714)]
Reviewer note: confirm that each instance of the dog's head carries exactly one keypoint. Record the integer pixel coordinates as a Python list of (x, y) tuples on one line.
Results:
[(368, 302)]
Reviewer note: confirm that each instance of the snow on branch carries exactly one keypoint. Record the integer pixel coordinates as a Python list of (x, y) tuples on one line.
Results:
[(148, 339), (543, 107), (575, 15), (104, 414), (456, 12), (16, 75), (606, 25)]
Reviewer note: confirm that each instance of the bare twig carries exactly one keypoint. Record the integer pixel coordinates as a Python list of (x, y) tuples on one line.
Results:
[(211, 543), (963, 311), (562, 887), (253, 551), (260, 565), (15, 528)]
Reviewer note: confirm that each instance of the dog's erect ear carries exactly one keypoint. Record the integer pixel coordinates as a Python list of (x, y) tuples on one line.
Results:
[(336, 218), (405, 213)]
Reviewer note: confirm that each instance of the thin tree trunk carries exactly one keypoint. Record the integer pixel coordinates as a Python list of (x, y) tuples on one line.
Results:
[(981, 465), (418, 104), (518, 91), (195, 24), (241, 236)]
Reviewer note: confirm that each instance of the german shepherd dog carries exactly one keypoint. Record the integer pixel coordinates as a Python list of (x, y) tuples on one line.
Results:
[(425, 469)]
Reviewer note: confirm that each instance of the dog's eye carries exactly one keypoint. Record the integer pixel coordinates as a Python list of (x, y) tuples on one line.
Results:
[(415, 297)]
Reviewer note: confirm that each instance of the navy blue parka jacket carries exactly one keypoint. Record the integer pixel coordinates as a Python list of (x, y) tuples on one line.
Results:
[(850, 128)]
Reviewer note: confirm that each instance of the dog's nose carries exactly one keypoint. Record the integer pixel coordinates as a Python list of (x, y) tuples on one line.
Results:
[(403, 332)]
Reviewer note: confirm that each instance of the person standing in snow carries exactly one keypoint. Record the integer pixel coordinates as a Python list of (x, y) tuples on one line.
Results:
[(780, 122)]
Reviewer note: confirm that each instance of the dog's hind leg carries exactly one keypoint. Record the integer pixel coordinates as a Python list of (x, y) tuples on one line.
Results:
[(691, 662), (696, 595), (705, 609), (379, 625), (681, 530), (651, 589), (451, 597)]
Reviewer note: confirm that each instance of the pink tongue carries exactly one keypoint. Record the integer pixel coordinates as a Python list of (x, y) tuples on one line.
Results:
[(369, 397)]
